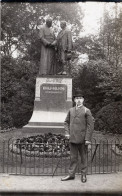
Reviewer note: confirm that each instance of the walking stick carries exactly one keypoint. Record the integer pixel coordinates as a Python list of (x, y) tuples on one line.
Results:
[(91, 159), (94, 153), (56, 167)]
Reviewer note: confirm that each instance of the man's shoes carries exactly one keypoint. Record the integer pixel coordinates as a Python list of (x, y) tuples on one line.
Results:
[(64, 73), (68, 178), (83, 178), (60, 73)]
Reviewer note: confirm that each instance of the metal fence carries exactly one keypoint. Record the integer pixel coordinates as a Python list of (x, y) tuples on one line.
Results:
[(34, 159)]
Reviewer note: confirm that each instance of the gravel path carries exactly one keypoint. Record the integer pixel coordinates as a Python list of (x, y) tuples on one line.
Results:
[(104, 183)]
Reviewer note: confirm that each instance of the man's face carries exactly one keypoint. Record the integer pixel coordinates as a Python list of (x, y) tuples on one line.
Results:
[(79, 101), (62, 25), (49, 23)]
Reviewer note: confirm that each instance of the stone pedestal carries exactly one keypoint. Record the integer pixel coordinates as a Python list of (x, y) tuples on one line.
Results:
[(53, 98)]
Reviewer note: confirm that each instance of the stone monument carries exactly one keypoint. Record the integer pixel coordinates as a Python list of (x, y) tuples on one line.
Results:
[(53, 92)]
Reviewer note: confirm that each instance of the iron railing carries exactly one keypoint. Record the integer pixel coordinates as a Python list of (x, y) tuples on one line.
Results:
[(32, 159)]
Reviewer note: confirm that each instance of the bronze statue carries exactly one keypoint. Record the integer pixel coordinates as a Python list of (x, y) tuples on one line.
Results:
[(64, 48), (48, 41)]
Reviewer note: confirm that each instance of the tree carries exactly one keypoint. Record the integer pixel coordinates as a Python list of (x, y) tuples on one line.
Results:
[(20, 37), (111, 36), (18, 88), (20, 21), (108, 119)]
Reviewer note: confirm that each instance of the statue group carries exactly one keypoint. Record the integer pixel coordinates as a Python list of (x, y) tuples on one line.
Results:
[(55, 52)]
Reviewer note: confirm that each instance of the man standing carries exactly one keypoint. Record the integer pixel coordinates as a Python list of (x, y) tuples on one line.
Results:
[(64, 47), (47, 61), (79, 127)]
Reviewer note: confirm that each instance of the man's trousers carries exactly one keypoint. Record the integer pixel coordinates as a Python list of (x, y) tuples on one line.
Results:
[(74, 150)]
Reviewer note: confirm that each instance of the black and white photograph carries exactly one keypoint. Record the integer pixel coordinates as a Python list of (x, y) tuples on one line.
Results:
[(61, 98)]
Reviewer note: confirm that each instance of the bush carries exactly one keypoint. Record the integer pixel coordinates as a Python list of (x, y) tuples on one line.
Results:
[(109, 118)]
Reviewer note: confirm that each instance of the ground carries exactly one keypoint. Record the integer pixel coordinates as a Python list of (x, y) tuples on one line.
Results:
[(107, 183)]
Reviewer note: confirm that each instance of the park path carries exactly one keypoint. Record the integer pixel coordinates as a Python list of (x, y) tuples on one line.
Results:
[(103, 183)]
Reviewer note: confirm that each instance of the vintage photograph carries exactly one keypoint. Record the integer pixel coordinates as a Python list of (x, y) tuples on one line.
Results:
[(61, 98)]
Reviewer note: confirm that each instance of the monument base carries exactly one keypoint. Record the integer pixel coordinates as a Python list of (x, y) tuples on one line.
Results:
[(53, 98)]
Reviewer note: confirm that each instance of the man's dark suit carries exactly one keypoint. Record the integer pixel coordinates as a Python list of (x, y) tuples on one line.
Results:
[(79, 124)]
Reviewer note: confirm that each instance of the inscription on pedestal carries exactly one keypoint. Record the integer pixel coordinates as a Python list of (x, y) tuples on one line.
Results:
[(53, 95), (60, 81)]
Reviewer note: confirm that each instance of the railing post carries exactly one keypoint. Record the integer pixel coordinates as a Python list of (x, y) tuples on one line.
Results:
[(20, 153), (8, 156), (99, 155), (3, 155)]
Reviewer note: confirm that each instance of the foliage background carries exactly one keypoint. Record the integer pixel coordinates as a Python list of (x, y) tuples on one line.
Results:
[(100, 77)]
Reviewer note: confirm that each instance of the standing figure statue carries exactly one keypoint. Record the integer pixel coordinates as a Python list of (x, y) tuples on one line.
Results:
[(48, 41), (64, 47)]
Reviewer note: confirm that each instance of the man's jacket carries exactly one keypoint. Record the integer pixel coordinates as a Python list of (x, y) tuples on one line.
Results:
[(64, 40), (79, 124)]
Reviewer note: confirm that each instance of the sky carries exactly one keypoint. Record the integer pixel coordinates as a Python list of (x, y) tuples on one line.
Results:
[(93, 11)]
